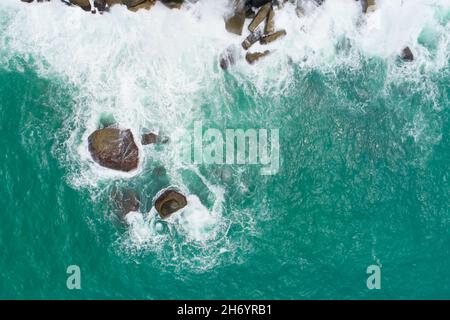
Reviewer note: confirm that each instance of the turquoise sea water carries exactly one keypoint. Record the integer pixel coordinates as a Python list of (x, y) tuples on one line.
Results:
[(364, 147)]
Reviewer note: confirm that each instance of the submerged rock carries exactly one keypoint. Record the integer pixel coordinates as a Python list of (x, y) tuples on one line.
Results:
[(153, 138), (260, 16), (126, 201), (251, 39), (272, 37), (114, 148), (169, 202), (407, 54), (228, 57), (83, 4), (253, 57)]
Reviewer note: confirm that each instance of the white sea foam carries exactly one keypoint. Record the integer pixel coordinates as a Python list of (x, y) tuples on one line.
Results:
[(154, 69)]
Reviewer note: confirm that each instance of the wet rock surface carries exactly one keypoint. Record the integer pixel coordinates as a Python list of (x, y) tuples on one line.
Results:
[(407, 54), (169, 202), (153, 138), (126, 201), (114, 148), (260, 17), (272, 37), (255, 56), (173, 4), (83, 4), (251, 39)]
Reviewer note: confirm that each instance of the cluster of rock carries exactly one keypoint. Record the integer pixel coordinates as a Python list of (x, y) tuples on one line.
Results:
[(235, 24), (167, 202), (115, 148), (104, 5)]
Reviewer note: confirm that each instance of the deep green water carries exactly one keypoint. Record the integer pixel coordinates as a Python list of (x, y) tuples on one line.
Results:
[(364, 179)]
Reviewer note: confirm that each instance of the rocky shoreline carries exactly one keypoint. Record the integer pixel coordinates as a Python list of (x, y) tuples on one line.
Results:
[(115, 148)]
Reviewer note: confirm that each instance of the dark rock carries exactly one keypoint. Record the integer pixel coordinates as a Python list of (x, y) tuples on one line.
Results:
[(272, 37), (132, 3), (153, 138), (28, 1), (258, 3), (228, 57), (83, 4), (172, 4), (319, 2), (147, 4), (114, 148), (100, 5), (260, 16), (249, 13), (407, 54), (169, 202), (149, 138), (126, 201), (253, 57), (251, 39), (368, 5)]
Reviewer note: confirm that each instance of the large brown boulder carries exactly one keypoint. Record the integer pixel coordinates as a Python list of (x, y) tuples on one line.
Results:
[(83, 4), (169, 202), (114, 148)]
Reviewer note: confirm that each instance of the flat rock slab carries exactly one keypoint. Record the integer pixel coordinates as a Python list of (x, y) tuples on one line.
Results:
[(260, 17), (255, 56)]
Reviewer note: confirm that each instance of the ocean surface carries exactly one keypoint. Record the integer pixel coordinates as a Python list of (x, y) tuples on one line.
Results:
[(364, 137)]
